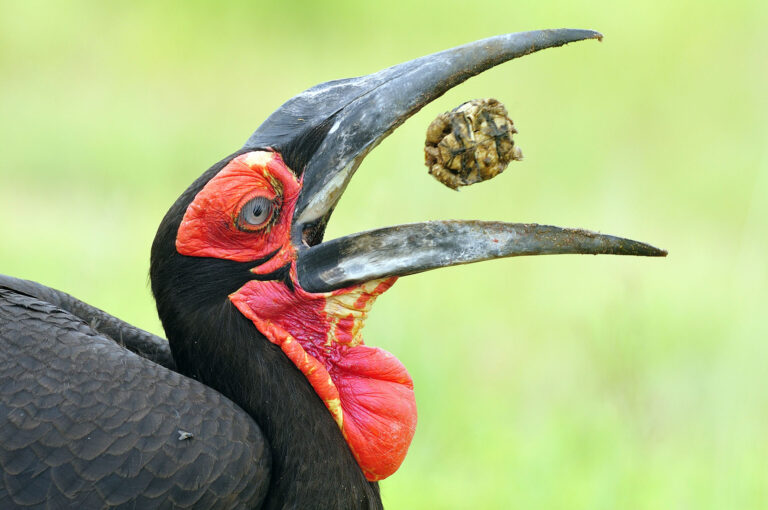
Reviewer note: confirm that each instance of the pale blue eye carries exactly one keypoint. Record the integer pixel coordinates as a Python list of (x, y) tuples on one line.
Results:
[(256, 212)]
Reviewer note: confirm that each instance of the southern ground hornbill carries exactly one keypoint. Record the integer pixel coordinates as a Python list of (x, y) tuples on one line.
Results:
[(264, 395)]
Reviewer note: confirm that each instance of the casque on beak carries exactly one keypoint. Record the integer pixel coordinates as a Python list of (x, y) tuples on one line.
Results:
[(325, 132)]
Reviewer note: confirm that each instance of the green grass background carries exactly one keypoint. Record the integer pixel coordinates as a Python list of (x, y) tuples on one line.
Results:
[(553, 382)]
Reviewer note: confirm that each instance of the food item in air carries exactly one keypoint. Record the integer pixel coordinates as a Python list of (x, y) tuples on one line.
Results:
[(471, 143)]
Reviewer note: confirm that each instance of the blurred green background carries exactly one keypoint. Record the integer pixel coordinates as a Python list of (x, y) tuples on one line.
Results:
[(552, 382)]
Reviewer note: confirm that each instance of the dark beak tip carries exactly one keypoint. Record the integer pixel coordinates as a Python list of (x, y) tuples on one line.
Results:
[(639, 248), (569, 35), (635, 248), (651, 251)]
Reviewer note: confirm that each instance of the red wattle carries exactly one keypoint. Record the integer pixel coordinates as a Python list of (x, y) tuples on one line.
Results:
[(366, 389), (376, 394)]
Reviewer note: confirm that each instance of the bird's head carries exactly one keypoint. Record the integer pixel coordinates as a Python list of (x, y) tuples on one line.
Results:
[(249, 234)]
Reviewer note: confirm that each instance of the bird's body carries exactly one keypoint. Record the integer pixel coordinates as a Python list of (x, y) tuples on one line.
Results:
[(270, 398), (84, 423)]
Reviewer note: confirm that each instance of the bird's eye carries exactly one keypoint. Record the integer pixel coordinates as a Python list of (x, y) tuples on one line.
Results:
[(256, 213)]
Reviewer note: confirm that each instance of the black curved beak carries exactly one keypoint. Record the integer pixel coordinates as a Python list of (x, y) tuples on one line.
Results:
[(325, 132)]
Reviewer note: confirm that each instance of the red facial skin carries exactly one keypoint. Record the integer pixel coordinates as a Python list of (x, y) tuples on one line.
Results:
[(366, 389)]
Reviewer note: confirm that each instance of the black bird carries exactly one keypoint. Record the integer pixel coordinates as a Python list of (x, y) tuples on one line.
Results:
[(264, 395)]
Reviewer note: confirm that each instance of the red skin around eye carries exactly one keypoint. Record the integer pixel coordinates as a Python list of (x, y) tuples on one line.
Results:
[(209, 227), (367, 390)]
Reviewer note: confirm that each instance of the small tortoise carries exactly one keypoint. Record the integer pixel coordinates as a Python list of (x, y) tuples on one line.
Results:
[(471, 143)]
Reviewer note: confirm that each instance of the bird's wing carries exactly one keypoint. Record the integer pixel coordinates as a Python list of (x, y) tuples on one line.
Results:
[(84, 423), (134, 339)]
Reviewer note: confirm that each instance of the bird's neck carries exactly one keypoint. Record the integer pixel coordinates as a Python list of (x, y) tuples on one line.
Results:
[(311, 462)]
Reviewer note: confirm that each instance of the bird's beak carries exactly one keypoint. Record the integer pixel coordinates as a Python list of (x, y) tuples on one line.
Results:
[(325, 132)]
